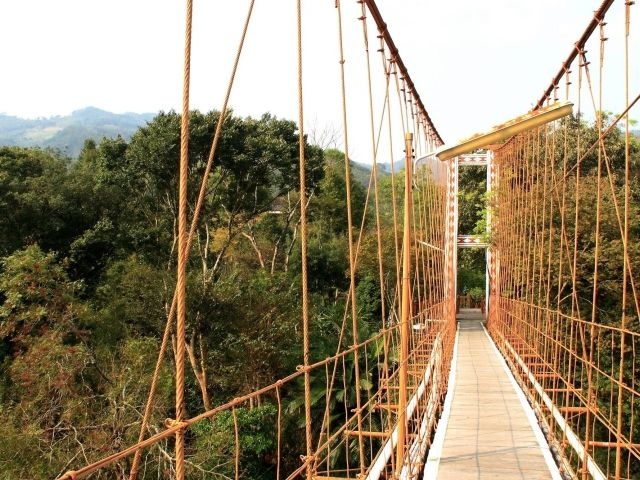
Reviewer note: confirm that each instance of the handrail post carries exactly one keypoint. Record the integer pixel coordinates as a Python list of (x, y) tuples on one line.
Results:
[(405, 312)]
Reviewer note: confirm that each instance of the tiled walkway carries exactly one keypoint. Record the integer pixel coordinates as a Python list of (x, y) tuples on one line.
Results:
[(488, 433)]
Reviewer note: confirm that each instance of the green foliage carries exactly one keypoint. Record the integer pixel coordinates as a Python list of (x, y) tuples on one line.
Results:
[(329, 208), (472, 187), (130, 301), (248, 325), (32, 202), (88, 252), (477, 293), (471, 269), (45, 358), (369, 302), (215, 443), (37, 295)]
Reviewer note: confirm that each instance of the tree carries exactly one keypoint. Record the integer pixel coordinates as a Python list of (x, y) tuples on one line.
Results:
[(44, 356), (32, 204), (472, 208)]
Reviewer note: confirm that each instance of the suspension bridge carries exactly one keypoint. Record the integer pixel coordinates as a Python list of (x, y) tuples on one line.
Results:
[(546, 384)]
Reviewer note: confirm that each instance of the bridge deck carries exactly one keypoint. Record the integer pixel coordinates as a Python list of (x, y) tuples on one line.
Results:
[(487, 429)]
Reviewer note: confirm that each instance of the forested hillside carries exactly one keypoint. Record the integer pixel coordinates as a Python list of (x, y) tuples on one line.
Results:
[(87, 274), (68, 133), (87, 266)]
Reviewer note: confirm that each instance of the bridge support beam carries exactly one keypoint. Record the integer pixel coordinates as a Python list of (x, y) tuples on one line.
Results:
[(493, 261), (406, 300), (451, 239)]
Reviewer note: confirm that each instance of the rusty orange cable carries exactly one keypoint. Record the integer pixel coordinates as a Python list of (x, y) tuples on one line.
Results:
[(587, 363), (625, 244), (374, 174), (194, 224), (182, 248), (395, 55), (352, 273), (303, 252), (236, 435), (596, 260)]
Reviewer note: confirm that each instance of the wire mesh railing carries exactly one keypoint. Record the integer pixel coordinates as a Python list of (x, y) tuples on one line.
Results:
[(565, 240)]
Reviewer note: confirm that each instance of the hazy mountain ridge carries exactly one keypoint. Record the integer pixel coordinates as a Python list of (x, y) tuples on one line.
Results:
[(68, 133), (361, 172)]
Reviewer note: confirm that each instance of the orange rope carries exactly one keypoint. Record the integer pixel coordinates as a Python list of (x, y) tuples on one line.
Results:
[(388, 336), (194, 225), (596, 261), (236, 435), (303, 255), (182, 246), (625, 245)]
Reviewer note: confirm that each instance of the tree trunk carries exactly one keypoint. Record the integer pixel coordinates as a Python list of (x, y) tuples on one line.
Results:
[(199, 370)]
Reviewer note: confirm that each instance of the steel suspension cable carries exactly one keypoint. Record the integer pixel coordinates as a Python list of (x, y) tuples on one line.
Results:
[(395, 56)]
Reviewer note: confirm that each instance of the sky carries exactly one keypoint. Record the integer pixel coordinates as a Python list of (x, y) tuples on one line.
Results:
[(474, 63)]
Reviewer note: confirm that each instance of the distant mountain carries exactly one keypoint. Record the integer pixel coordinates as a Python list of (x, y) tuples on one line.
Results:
[(397, 166), (361, 172), (68, 133)]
